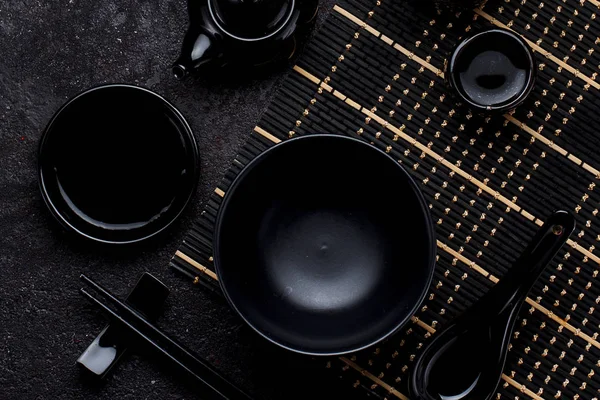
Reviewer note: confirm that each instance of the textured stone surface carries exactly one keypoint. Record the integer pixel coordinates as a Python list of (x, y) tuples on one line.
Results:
[(52, 50)]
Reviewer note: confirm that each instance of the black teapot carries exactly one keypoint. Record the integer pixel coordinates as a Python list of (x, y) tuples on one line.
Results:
[(241, 32)]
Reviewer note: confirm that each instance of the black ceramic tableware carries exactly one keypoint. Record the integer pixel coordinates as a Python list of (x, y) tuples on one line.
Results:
[(141, 334), (117, 164), (324, 245), (492, 71), (105, 351), (241, 33), (465, 360)]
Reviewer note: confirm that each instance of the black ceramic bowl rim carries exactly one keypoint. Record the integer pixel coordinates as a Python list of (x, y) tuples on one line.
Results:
[(530, 78), (186, 130), (430, 230)]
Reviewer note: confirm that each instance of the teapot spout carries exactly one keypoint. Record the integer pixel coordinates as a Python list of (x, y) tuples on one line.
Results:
[(199, 48)]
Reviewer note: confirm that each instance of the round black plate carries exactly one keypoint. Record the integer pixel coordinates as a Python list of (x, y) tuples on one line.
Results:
[(324, 245), (117, 164)]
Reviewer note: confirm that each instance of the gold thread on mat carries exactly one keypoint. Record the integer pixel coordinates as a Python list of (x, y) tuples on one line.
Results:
[(562, 322), (426, 150), (540, 50), (529, 301), (375, 379), (466, 261), (196, 265), (583, 250), (357, 21), (521, 387), (266, 134), (334, 67), (422, 324), (339, 95), (439, 73), (538, 136), (388, 40), (574, 159), (471, 142), (443, 161)]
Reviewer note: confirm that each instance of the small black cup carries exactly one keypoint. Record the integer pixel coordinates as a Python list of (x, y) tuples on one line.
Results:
[(492, 71)]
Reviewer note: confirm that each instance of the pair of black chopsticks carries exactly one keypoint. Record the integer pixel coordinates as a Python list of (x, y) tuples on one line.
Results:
[(141, 330)]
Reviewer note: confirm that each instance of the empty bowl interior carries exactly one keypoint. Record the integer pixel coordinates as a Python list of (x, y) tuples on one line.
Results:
[(324, 245)]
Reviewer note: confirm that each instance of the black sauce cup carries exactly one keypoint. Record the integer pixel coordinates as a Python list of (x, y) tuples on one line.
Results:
[(492, 71), (117, 164)]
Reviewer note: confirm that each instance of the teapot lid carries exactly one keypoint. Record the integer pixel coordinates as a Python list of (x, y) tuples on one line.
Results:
[(251, 19)]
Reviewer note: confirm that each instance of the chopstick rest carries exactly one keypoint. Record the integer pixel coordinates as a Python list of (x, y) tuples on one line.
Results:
[(147, 336), (147, 298)]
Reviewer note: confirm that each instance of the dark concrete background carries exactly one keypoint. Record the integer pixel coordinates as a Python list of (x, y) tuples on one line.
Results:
[(50, 51)]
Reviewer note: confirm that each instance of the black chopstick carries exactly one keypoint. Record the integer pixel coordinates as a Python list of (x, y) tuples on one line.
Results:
[(132, 322)]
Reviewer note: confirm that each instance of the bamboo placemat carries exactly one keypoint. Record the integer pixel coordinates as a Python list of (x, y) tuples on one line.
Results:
[(375, 71)]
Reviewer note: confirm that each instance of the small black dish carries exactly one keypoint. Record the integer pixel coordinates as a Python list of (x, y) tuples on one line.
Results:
[(117, 164), (492, 71)]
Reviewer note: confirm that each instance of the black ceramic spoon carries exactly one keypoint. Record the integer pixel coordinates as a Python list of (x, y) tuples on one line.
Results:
[(465, 360)]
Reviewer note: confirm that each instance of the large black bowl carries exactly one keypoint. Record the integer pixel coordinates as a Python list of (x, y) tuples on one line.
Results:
[(324, 245), (117, 164)]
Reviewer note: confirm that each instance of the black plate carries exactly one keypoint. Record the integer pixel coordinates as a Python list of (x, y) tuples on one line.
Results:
[(324, 245), (117, 164)]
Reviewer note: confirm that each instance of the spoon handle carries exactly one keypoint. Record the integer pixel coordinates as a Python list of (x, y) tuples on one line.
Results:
[(512, 289)]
